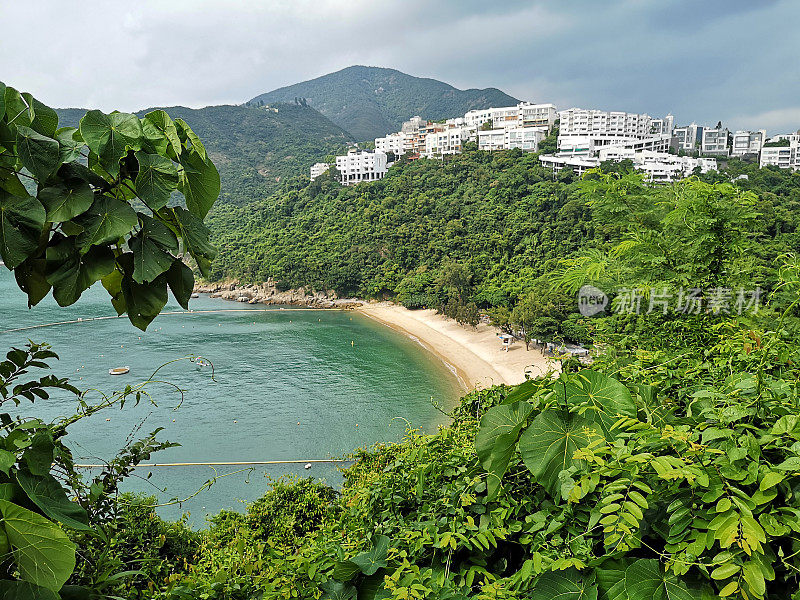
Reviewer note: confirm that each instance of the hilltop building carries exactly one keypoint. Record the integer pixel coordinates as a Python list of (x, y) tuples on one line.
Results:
[(748, 142), (584, 132), (524, 114), (781, 151), (659, 167), (360, 165), (318, 169), (688, 137), (715, 141)]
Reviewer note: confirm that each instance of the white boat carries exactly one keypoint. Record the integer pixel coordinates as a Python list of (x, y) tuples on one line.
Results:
[(195, 295), (119, 371)]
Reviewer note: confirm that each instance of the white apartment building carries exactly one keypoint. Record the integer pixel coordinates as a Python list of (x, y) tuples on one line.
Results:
[(524, 114), (590, 123), (748, 142), (359, 165), (659, 167), (662, 126), (447, 141), (785, 156), (492, 139), (394, 142), (715, 141), (318, 169), (579, 164), (526, 138), (412, 125), (584, 145), (688, 137)]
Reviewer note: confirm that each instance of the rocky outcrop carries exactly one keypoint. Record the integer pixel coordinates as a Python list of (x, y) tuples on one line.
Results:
[(267, 293)]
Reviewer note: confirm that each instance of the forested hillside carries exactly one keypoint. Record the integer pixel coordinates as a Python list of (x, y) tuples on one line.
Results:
[(479, 227), (255, 149), (370, 102)]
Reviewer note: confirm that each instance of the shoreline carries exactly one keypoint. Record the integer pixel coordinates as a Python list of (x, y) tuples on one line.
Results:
[(474, 355)]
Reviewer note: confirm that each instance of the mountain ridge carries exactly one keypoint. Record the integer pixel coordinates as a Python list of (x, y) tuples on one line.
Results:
[(370, 102)]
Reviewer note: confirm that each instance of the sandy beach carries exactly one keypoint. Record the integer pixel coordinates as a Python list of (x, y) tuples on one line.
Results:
[(475, 354)]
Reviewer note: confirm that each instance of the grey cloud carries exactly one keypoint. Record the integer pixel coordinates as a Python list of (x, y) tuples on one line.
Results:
[(704, 61)]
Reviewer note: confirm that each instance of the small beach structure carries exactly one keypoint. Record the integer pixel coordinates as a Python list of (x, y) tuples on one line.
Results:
[(506, 340)]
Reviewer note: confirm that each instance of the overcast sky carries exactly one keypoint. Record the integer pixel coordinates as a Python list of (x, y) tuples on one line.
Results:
[(702, 60)]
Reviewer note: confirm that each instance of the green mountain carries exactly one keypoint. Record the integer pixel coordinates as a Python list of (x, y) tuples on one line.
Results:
[(370, 102), (254, 148)]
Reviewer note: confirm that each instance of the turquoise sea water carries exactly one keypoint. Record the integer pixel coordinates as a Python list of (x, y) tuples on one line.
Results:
[(346, 380)]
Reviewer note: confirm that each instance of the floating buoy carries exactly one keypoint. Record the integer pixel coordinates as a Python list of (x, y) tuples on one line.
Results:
[(308, 466)]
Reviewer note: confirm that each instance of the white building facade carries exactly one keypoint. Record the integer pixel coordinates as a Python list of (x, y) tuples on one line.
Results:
[(318, 169), (524, 114), (715, 141), (394, 143), (688, 137), (786, 155), (748, 142), (359, 165)]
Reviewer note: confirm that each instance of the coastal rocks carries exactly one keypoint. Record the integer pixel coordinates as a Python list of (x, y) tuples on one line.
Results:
[(268, 293)]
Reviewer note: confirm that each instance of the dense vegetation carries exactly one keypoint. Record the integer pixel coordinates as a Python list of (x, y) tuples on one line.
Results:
[(255, 149), (477, 230), (95, 206), (370, 102), (668, 470)]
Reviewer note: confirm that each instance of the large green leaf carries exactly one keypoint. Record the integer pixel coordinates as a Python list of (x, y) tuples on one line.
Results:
[(160, 132), (598, 397), (111, 136), (142, 301), (186, 134), (2, 99), (66, 201), (21, 222), (31, 278), (151, 249), (22, 590), (199, 183), (195, 239), (69, 144), (549, 443), (523, 391), (38, 456), (497, 439), (565, 585), (336, 590), (181, 281), (38, 153), (46, 492), (71, 273), (107, 220), (374, 558), (372, 587), (45, 119), (42, 551), (646, 580), (156, 180), (19, 110)]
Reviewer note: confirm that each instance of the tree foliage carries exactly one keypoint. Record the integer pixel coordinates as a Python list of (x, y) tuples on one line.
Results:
[(92, 203)]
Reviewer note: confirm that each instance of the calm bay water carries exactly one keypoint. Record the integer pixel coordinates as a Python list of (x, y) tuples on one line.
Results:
[(347, 381)]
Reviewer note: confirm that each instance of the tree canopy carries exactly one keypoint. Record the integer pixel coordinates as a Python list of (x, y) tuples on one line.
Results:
[(96, 202)]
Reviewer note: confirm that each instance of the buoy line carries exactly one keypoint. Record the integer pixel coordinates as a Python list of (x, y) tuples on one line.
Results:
[(226, 464), (169, 313)]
